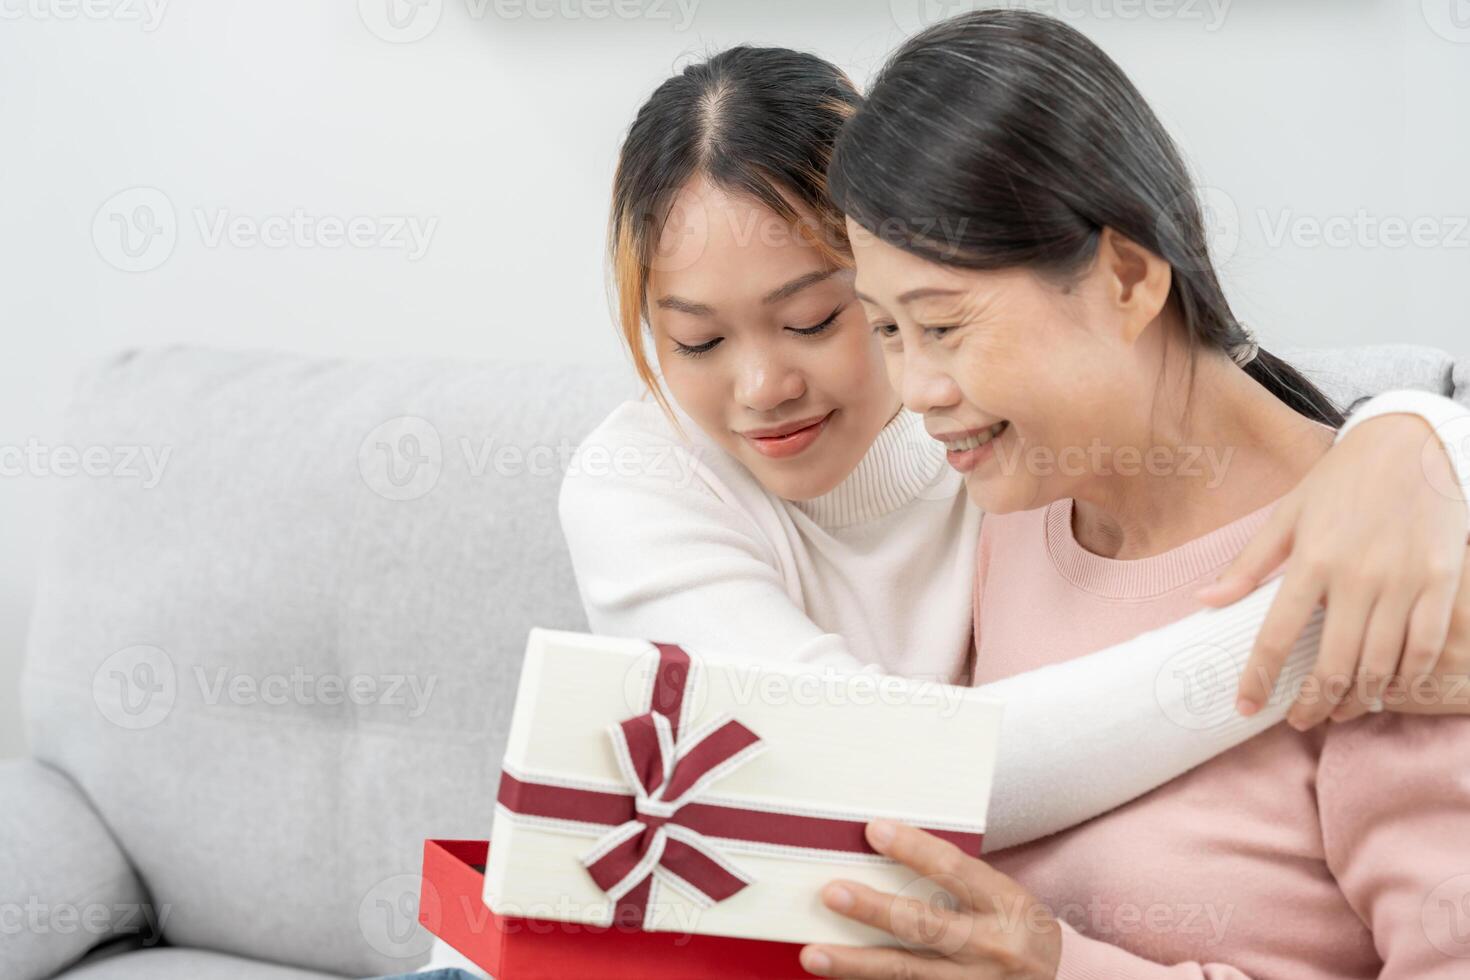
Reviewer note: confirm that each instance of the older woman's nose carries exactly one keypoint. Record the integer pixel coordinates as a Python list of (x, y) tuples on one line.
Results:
[(925, 389)]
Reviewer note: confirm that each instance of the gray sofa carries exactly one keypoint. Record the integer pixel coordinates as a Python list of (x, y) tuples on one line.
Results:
[(255, 683)]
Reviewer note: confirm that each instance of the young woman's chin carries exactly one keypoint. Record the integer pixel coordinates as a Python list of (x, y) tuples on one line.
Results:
[(801, 477)]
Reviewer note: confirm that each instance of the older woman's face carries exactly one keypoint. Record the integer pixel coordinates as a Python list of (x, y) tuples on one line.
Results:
[(1017, 376), (762, 342)]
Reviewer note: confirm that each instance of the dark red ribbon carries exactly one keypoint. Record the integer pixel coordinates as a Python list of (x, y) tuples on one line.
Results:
[(663, 798)]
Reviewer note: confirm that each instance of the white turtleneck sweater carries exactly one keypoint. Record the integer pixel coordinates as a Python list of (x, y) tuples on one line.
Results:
[(674, 540), (692, 549)]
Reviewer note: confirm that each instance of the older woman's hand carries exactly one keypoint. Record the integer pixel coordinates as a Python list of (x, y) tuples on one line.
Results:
[(993, 929), (1377, 534)]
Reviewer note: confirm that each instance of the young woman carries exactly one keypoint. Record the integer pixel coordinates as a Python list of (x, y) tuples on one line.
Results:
[(784, 506), (1071, 303)]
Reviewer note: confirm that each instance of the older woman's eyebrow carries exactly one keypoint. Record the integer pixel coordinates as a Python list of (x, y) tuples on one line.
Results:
[(785, 291), (923, 292)]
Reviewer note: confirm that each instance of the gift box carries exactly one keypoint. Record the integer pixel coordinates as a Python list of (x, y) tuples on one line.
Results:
[(649, 787), (513, 948)]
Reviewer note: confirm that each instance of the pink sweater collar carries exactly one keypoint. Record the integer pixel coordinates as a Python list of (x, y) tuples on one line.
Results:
[(1145, 578)]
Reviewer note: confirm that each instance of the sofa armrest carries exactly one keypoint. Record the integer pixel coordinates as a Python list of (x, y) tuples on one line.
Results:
[(65, 885)]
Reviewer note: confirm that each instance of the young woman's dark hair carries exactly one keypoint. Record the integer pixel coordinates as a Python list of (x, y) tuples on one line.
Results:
[(1005, 138), (752, 120)]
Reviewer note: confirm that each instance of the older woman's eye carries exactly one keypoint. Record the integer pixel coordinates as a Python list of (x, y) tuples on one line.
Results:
[(697, 349), (886, 330), (938, 333)]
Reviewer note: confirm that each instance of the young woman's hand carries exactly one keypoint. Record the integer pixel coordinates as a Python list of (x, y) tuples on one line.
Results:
[(993, 929), (1443, 691), (1374, 534)]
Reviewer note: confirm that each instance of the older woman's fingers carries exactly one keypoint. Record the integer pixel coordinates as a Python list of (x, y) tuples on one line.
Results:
[(968, 878), (921, 926), (869, 963)]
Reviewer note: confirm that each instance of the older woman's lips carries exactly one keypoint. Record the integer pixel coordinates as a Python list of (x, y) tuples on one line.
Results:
[(967, 450), (789, 442)]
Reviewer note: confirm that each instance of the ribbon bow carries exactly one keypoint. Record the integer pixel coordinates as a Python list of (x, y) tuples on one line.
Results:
[(667, 772), (659, 826)]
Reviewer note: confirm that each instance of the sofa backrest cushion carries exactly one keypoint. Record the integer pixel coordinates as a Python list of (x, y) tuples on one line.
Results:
[(278, 648), (277, 644)]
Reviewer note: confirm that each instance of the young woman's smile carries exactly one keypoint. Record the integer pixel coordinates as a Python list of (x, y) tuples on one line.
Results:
[(790, 439)]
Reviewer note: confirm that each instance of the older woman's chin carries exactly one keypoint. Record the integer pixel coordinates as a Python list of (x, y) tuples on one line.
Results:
[(1001, 493)]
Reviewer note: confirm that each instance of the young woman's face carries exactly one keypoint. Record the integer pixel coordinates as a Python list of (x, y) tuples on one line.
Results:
[(1017, 376), (762, 342)]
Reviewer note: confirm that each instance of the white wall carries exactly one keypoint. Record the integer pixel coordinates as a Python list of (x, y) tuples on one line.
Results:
[(500, 124)]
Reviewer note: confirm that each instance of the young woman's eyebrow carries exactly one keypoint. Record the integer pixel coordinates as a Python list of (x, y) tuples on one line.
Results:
[(684, 306), (776, 295), (797, 285)]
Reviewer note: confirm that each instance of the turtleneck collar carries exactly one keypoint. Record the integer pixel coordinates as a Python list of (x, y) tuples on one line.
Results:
[(904, 462)]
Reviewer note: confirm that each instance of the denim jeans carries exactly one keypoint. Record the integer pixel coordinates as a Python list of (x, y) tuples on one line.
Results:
[(433, 975)]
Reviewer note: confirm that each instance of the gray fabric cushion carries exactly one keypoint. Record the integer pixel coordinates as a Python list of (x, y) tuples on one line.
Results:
[(186, 964), (64, 884), (1349, 374), (270, 551), (176, 623)]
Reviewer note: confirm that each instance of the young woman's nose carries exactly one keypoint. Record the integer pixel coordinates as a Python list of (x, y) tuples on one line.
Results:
[(765, 384)]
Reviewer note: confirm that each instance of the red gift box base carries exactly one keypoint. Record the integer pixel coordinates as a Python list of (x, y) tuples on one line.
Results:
[(451, 906)]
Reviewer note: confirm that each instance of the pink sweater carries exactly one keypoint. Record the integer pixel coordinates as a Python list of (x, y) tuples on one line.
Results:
[(1342, 852)]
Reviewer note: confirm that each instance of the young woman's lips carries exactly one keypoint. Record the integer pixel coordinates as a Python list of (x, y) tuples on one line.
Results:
[(790, 443), (966, 460)]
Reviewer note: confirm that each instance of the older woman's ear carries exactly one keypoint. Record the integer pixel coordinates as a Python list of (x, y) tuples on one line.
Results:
[(1136, 281)]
